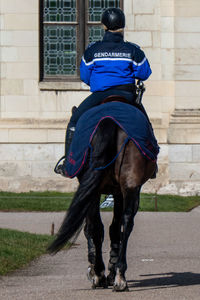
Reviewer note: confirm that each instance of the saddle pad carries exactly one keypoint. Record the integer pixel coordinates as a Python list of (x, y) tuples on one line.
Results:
[(127, 117)]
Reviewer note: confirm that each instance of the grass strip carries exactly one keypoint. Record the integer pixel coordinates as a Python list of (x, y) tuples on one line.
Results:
[(17, 249), (35, 201), (168, 203), (55, 201)]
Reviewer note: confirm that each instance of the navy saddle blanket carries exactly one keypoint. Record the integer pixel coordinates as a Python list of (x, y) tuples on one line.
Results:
[(127, 117)]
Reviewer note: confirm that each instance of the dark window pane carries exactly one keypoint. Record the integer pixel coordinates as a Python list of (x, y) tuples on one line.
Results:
[(59, 50), (95, 33), (60, 10), (63, 44)]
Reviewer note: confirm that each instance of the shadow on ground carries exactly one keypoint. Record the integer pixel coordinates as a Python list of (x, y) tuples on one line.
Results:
[(165, 280)]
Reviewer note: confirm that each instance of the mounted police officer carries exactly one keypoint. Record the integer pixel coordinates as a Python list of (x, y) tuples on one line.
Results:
[(109, 67)]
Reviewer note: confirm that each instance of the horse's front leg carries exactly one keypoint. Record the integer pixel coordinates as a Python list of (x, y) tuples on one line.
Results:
[(131, 204), (115, 236), (94, 232)]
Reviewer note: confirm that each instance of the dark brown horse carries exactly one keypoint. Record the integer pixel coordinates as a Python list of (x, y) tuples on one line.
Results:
[(123, 179)]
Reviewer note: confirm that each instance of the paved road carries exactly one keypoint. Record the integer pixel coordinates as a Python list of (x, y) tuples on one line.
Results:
[(163, 261)]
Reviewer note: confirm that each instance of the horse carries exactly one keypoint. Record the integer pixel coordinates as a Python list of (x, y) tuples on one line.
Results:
[(123, 179)]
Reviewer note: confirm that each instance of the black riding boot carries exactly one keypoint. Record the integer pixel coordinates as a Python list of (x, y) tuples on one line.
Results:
[(68, 139), (60, 169)]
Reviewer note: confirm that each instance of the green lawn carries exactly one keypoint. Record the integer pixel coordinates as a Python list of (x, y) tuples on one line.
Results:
[(17, 249), (35, 201), (168, 203), (55, 201)]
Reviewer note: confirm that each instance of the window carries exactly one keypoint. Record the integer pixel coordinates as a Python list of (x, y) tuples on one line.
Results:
[(66, 28)]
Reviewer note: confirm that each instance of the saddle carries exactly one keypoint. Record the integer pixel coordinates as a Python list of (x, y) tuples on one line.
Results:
[(111, 98), (117, 98)]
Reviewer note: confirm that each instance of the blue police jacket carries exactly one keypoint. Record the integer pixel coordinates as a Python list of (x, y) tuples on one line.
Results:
[(113, 62)]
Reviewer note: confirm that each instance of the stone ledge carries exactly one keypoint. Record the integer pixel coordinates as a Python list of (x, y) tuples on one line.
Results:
[(50, 123), (182, 116), (26, 130), (6, 123), (75, 85)]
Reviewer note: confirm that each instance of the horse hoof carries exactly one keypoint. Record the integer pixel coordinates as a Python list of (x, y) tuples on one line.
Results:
[(103, 283), (120, 284), (97, 281), (120, 288), (110, 280)]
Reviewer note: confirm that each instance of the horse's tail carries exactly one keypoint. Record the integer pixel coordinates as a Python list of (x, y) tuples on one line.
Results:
[(77, 212), (88, 188)]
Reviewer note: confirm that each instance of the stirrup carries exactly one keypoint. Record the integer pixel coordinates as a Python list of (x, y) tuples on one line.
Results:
[(57, 169)]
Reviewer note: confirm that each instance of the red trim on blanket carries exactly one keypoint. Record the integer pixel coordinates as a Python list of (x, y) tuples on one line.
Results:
[(82, 163)]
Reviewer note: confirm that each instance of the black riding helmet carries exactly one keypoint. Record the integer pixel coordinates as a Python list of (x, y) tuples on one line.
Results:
[(113, 18)]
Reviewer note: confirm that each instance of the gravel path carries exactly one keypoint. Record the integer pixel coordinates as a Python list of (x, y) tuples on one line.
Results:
[(163, 260)]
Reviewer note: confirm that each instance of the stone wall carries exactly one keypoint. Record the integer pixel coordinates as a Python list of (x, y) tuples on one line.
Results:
[(33, 114), (32, 121), (184, 127)]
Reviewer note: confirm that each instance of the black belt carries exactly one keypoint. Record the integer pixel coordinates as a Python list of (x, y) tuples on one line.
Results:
[(125, 87)]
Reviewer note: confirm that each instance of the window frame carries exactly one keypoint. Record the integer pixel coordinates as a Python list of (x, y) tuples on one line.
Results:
[(82, 25)]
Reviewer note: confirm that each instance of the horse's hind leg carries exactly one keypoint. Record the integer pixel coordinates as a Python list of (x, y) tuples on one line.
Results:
[(94, 232), (115, 236), (131, 204)]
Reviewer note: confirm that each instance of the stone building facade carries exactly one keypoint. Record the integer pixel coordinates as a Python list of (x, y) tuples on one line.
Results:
[(34, 112)]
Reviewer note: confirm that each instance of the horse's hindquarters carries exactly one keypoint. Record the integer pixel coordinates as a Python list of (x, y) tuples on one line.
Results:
[(131, 168)]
